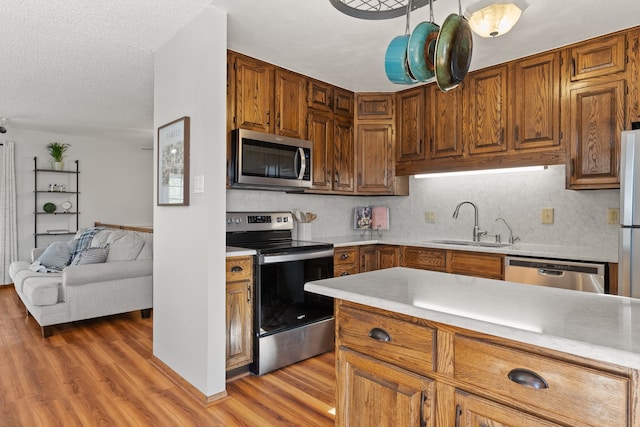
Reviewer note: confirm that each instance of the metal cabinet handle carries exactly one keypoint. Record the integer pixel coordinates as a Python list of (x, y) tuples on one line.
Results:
[(236, 269), (458, 415), (344, 273), (344, 256), (379, 334), (546, 272), (527, 378)]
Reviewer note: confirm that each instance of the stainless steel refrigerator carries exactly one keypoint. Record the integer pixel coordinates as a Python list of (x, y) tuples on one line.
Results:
[(629, 242)]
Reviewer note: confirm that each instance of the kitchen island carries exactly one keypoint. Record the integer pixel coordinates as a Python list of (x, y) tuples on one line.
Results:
[(452, 350)]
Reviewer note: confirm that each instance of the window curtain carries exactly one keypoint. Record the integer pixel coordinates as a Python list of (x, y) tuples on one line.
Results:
[(8, 211)]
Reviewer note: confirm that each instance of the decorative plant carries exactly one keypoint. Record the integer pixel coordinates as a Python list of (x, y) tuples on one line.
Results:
[(57, 150)]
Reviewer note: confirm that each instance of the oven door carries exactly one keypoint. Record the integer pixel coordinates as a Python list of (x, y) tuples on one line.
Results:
[(282, 303)]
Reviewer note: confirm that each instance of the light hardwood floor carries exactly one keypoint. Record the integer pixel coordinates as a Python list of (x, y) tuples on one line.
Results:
[(97, 373)]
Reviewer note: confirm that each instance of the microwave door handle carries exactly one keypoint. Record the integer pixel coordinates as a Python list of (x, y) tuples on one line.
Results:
[(303, 162)]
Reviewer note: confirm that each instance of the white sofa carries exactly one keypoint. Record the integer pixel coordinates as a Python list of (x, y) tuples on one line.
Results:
[(120, 284)]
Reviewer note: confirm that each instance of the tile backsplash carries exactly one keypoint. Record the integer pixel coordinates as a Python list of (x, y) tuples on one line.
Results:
[(580, 217)]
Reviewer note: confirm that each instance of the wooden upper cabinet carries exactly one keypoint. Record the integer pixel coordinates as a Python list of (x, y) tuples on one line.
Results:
[(325, 97), (375, 106), (487, 110), (319, 95), (254, 94), (343, 156), (599, 57), (290, 104), (410, 119), (597, 119), (320, 132), (536, 101), (343, 102), (444, 125), (374, 157)]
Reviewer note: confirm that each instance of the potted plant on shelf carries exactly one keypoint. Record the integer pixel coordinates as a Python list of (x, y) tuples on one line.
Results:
[(56, 151)]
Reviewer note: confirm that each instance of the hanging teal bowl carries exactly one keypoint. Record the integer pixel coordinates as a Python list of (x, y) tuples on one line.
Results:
[(395, 61), (421, 51)]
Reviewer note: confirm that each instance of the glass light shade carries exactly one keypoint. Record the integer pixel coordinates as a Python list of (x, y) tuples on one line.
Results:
[(495, 20)]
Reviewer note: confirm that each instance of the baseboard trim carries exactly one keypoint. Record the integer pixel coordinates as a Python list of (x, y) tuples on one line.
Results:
[(185, 386)]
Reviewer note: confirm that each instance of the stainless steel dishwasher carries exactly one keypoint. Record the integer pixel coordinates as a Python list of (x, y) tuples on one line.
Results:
[(578, 276)]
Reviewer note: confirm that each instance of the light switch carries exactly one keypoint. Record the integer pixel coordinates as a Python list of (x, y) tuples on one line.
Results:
[(547, 215), (199, 184), (613, 216), (430, 217)]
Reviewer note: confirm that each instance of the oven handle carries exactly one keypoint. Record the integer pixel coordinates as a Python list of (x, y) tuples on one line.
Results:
[(272, 259)]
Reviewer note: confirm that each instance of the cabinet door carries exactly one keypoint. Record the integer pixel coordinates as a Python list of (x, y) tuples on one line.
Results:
[(320, 132), (388, 256), (290, 102), (472, 411), (487, 110), (239, 346), (254, 95), (374, 158), (368, 258), (343, 156), (490, 266), (600, 57), (424, 258), (372, 393), (319, 96), (239, 313), (536, 101), (410, 124), (444, 129), (343, 102), (597, 120), (375, 106)]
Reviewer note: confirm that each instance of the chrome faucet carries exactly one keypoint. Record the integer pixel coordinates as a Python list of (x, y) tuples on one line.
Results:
[(476, 229), (512, 238)]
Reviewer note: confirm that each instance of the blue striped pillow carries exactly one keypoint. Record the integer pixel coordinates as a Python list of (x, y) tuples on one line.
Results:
[(91, 256)]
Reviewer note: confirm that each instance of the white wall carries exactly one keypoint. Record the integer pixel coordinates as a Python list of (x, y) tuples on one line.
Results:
[(116, 182), (580, 216), (189, 242)]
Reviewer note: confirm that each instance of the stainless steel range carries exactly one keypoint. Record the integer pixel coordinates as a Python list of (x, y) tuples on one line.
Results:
[(289, 324)]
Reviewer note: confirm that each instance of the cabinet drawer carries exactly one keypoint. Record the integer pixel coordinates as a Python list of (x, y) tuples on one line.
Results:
[(345, 256), (424, 258), (409, 346), (477, 264), (345, 270), (239, 268), (583, 394)]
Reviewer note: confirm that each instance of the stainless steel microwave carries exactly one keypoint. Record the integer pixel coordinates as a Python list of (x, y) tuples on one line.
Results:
[(272, 162)]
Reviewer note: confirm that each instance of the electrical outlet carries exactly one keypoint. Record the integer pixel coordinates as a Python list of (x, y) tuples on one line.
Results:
[(547, 216), (430, 217), (613, 216)]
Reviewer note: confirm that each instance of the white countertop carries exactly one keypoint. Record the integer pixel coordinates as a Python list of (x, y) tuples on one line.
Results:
[(234, 251), (600, 327), (576, 253)]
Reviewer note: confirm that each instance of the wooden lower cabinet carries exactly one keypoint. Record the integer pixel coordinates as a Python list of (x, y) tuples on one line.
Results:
[(473, 411), (373, 393), (345, 261), (239, 315), (477, 264), (398, 370)]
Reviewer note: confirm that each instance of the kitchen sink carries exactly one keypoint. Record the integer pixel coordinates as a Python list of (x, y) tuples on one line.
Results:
[(470, 243)]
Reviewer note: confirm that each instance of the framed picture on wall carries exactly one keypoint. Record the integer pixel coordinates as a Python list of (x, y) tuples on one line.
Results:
[(173, 163)]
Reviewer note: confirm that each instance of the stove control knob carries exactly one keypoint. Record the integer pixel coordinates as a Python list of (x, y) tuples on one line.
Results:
[(236, 220), (228, 220)]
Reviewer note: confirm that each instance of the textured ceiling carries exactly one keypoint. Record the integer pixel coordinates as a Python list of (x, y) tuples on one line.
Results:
[(86, 67)]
